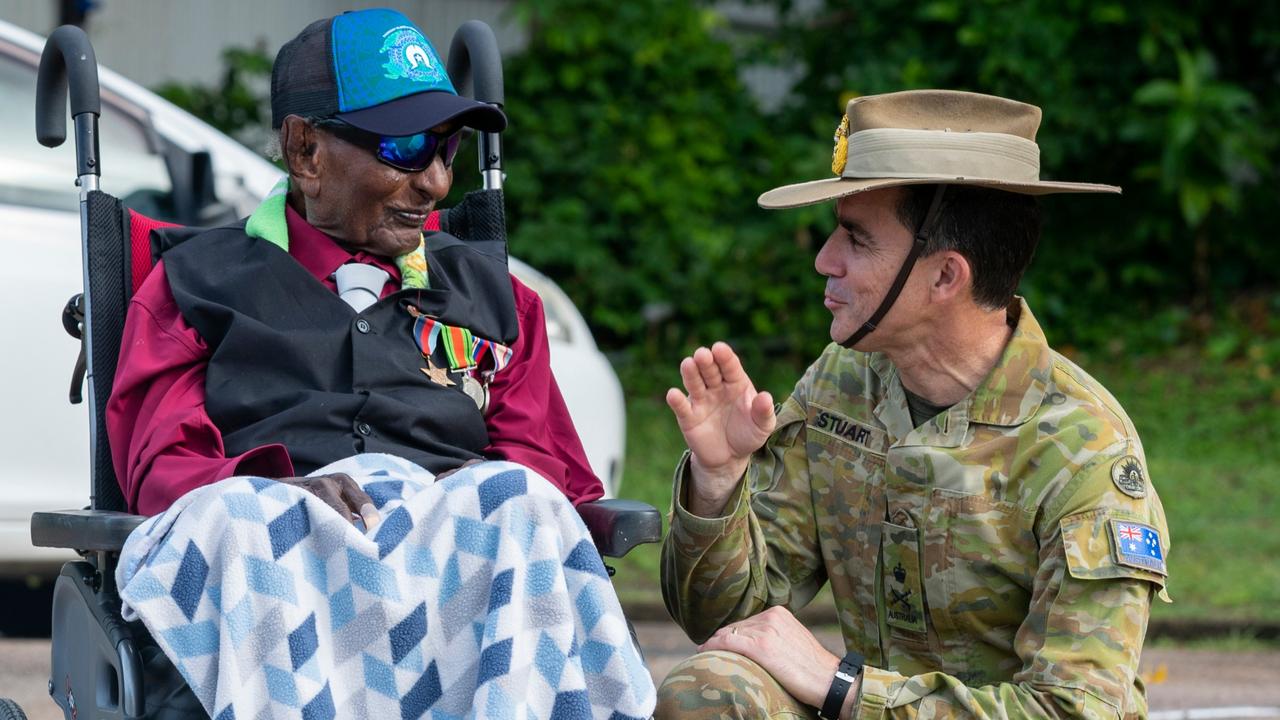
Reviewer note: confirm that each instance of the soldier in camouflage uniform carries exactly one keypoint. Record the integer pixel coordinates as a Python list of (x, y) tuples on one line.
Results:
[(979, 504)]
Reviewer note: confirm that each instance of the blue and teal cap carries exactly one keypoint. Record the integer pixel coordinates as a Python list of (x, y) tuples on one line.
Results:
[(373, 69)]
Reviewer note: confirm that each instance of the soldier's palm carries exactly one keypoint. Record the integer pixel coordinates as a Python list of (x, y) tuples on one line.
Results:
[(722, 428)]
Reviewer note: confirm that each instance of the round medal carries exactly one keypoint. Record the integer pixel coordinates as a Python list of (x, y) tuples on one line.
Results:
[(477, 391)]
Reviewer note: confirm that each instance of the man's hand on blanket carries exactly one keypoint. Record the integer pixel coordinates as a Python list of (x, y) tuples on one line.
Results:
[(341, 493)]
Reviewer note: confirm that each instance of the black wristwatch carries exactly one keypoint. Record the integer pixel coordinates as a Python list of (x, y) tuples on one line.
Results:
[(848, 672)]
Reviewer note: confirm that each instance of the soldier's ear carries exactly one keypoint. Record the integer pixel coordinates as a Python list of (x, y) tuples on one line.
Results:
[(953, 277)]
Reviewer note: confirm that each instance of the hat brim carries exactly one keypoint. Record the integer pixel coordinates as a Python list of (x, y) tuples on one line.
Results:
[(422, 111), (816, 191)]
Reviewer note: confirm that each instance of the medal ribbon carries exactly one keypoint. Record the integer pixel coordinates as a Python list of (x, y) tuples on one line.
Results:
[(462, 349), (500, 354), (457, 346), (426, 331)]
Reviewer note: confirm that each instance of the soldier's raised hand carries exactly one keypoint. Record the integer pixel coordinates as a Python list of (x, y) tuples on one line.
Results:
[(723, 420)]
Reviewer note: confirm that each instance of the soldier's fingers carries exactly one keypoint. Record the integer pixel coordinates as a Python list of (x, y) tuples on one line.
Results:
[(762, 412), (692, 378), (730, 365), (736, 638), (679, 404), (708, 368), (715, 635), (716, 641)]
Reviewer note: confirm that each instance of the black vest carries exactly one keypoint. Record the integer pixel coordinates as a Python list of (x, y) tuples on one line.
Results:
[(292, 363)]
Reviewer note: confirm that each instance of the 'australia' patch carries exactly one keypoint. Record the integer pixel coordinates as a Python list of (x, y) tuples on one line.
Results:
[(1127, 474), (1137, 545)]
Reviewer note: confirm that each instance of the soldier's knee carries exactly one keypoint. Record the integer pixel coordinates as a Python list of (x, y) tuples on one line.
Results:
[(718, 685)]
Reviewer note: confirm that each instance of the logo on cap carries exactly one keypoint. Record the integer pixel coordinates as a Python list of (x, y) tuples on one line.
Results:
[(409, 56)]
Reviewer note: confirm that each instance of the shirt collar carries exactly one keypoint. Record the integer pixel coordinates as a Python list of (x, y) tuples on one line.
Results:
[(1016, 386), (1009, 396), (320, 254)]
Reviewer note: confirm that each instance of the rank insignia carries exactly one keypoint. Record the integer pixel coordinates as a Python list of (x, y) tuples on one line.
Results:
[(840, 153), (1126, 473), (903, 603)]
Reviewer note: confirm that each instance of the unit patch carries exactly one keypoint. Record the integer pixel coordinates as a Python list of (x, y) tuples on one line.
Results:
[(1137, 545), (1126, 473)]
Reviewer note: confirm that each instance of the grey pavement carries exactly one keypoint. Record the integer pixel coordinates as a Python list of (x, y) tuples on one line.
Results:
[(1217, 685)]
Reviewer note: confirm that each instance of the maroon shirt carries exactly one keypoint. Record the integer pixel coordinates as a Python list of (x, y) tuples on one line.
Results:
[(164, 444)]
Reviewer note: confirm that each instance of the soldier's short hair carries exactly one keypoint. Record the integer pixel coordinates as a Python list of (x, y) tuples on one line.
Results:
[(996, 231)]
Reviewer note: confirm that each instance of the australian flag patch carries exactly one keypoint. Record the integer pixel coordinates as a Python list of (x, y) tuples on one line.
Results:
[(1138, 545)]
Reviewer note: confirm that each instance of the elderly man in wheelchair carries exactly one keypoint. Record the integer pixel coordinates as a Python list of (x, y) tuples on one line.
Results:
[(359, 471)]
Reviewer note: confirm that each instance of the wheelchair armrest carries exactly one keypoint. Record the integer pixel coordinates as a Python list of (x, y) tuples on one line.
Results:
[(618, 525), (88, 530)]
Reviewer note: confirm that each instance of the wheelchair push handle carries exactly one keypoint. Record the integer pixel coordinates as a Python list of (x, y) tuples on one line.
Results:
[(475, 64), (68, 58), (475, 67)]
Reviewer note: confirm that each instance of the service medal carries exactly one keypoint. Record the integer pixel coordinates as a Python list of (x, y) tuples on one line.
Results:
[(439, 376), (477, 391)]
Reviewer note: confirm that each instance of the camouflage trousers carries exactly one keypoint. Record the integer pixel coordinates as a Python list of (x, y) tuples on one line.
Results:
[(715, 685)]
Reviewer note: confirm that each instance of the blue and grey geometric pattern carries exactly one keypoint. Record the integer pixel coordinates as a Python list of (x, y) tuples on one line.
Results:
[(478, 596)]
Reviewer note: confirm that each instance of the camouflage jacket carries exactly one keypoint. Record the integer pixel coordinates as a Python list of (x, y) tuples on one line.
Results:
[(997, 561)]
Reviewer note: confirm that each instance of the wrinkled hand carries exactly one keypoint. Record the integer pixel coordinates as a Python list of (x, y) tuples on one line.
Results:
[(341, 493), (777, 642), (447, 473), (723, 420)]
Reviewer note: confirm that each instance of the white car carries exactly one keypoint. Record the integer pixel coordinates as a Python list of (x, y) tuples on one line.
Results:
[(44, 446)]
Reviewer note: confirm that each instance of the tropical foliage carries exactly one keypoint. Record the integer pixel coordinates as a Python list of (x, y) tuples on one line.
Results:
[(636, 152)]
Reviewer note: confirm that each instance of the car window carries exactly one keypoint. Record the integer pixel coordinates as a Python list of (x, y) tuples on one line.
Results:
[(37, 176)]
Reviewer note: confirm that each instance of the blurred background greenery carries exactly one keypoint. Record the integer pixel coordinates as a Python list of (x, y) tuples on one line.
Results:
[(637, 150)]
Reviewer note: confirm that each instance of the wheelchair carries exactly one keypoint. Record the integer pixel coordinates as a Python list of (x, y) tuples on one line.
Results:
[(102, 666)]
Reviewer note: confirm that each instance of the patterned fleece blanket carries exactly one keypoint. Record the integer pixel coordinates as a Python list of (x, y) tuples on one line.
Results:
[(477, 596)]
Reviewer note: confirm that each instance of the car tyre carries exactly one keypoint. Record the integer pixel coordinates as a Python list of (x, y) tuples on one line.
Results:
[(9, 710)]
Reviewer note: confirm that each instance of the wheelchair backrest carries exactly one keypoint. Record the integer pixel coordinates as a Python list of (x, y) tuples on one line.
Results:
[(123, 248)]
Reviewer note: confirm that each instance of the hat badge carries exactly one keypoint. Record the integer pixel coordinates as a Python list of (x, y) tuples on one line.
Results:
[(840, 153), (408, 57)]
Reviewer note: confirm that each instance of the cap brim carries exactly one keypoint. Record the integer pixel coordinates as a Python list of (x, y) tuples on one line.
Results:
[(816, 191), (422, 111)]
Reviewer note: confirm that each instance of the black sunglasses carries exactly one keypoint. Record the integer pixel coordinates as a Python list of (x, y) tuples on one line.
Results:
[(407, 153)]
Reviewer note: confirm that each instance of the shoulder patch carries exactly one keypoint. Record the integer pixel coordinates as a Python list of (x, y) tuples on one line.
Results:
[(1127, 474), (1137, 545)]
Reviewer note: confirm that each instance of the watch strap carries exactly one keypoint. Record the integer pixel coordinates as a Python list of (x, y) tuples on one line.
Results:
[(846, 675)]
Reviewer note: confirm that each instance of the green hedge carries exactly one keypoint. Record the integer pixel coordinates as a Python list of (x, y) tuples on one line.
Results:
[(1176, 102)]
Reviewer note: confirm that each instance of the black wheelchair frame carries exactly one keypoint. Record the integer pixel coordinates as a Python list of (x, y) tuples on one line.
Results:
[(97, 658)]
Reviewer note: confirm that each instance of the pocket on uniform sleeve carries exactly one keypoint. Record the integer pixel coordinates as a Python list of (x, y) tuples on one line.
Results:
[(1102, 544)]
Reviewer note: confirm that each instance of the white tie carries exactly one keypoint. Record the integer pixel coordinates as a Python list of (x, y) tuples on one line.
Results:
[(360, 285)]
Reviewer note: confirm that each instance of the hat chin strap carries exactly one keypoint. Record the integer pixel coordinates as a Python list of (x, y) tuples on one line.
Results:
[(917, 247)]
